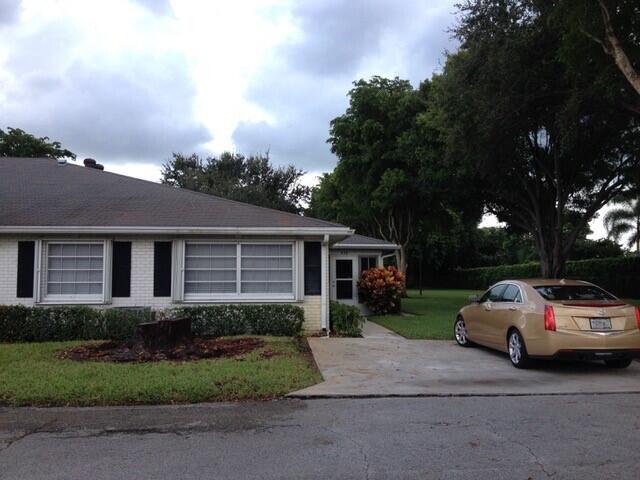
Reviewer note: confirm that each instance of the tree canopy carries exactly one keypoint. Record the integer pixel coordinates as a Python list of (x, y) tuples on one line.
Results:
[(387, 181), (250, 179), (15, 142), (546, 143)]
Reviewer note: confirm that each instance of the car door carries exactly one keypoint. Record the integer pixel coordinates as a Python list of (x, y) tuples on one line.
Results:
[(503, 309), (478, 324)]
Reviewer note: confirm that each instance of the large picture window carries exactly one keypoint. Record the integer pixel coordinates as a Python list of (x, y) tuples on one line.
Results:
[(74, 270), (250, 270)]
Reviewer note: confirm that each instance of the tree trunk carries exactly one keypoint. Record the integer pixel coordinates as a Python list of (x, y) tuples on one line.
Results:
[(615, 49), (401, 257), (164, 334)]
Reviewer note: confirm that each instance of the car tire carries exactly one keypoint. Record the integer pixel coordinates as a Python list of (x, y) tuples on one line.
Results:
[(618, 362), (517, 350), (460, 333)]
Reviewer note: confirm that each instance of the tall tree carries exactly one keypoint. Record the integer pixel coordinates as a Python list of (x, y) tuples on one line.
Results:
[(387, 178), (548, 146), (246, 179), (18, 143)]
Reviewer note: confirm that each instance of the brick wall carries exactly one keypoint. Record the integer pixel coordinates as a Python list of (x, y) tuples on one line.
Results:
[(141, 282)]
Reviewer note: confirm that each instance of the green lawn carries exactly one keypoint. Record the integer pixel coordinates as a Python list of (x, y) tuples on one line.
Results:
[(433, 314), (32, 374)]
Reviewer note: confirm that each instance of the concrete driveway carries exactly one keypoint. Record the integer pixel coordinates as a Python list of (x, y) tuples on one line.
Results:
[(385, 364)]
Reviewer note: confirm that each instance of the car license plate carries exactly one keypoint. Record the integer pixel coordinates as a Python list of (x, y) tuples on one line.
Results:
[(600, 323)]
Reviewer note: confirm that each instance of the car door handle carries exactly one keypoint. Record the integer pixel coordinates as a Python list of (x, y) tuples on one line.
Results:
[(513, 309)]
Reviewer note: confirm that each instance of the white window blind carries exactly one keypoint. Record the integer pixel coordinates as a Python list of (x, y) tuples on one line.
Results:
[(244, 270), (267, 268), (74, 269), (210, 268)]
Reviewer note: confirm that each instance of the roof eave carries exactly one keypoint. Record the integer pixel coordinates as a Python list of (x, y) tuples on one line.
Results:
[(367, 246), (337, 231)]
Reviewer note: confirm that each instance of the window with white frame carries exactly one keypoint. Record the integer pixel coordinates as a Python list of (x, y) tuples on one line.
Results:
[(250, 270), (74, 270)]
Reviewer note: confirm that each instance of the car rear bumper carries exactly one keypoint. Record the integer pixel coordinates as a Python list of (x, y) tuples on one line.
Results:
[(596, 354), (584, 343)]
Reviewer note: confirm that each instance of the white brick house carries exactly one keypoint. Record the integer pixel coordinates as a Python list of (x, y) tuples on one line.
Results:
[(79, 235)]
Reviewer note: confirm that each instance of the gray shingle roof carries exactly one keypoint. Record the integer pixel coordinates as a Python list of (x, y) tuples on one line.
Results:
[(355, 241), (39, 192)]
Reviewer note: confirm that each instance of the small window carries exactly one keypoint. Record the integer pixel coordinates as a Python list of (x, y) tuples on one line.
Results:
[(74, 271), (573, 292), (368, 262), (511, 294), (494, 294)]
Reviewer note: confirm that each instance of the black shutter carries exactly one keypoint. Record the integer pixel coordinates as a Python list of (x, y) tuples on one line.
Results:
[(121, 270), (162, 269), (26, 259), (312, 268)]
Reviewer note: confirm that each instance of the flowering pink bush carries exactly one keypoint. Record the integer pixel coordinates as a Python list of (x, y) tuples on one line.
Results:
[(381, 289)]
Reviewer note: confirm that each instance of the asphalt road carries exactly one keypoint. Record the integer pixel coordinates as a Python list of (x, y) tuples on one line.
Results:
[(532, 437)]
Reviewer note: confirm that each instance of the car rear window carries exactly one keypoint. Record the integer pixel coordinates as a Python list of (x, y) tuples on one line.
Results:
[(573, 292)]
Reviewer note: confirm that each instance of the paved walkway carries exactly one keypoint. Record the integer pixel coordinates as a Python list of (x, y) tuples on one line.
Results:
[(385, 364)]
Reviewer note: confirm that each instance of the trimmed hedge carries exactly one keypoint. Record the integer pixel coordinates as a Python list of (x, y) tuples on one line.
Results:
[(619, 275), (246, 319), (345, 320), (46, 324)]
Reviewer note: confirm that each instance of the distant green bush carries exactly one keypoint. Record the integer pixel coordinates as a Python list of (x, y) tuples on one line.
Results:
[(45, 324), (345, 320), (244, 319), (619, 275)]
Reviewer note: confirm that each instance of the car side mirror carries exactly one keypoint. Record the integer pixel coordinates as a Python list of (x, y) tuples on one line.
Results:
[(474, 298)]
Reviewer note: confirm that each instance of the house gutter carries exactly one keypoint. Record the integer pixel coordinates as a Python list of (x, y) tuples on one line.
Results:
[(178, 230)]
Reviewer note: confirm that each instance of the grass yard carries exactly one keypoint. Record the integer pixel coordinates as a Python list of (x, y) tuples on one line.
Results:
[(432, 314), (32, 374)]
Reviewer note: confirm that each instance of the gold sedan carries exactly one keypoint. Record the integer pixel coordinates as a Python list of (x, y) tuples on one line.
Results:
[(542, 318)]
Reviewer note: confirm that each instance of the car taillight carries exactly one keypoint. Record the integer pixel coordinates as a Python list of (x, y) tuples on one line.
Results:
[(638, 316), (549, 318)]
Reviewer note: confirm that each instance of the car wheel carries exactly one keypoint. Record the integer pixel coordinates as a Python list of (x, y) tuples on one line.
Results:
[(618, 362), (460, 333), (517, 350)]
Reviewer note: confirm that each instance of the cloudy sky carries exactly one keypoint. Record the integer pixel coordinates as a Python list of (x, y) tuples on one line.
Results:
[(128, 82)]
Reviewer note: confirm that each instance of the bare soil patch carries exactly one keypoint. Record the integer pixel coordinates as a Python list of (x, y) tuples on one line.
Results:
[(196, 349)]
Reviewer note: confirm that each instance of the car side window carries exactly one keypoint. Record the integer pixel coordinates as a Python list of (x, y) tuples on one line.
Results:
[(494, 294), (511, 294)]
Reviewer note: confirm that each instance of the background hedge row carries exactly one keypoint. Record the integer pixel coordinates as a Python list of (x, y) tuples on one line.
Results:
[(619, 275), (44, 324)]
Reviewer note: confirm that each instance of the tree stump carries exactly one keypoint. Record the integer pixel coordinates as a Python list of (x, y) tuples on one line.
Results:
[(164, 334)]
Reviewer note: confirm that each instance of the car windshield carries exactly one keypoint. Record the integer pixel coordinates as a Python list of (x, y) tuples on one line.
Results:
[(573, 292)]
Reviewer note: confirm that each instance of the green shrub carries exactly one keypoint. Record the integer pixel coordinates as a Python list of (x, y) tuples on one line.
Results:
[(345, 320), (244, 319), (121, 323), (44, 324), (619, 275)]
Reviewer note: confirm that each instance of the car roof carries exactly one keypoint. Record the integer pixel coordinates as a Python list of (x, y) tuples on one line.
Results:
[(547, 281)]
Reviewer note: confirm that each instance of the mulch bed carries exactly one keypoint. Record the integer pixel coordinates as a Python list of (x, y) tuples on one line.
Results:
[(197, 349)]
